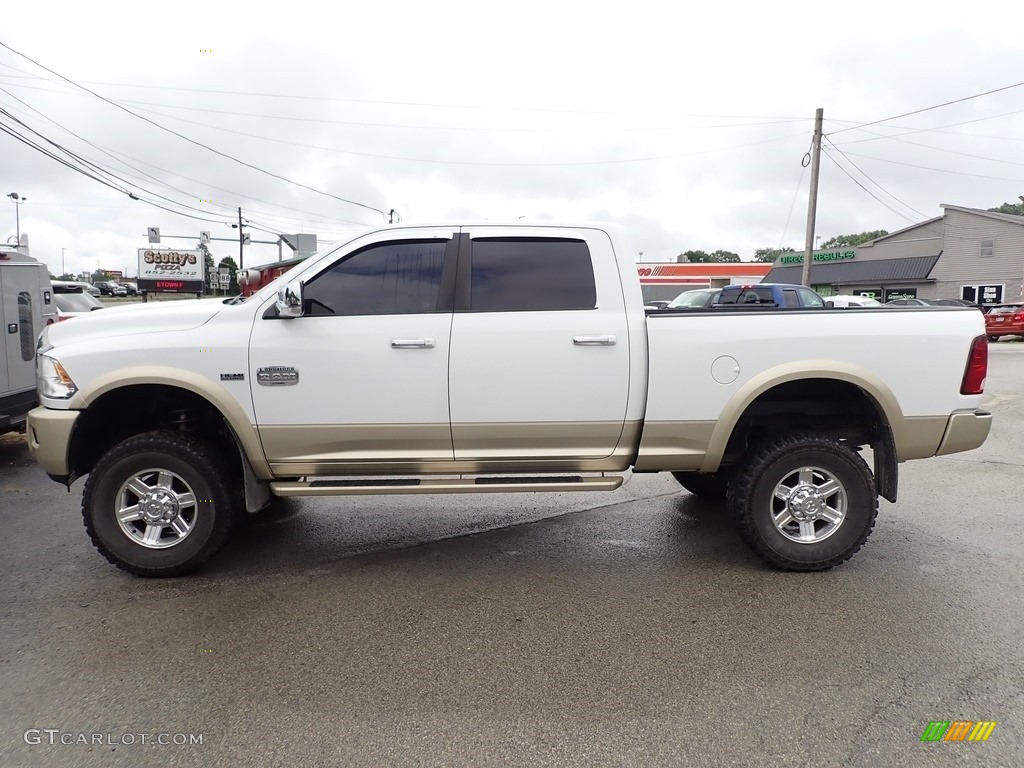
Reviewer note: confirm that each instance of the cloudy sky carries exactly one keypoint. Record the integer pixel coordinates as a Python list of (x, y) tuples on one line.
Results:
[(687, 123)]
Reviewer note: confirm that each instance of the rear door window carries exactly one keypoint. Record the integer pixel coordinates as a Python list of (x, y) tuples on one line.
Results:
[(517, 274)]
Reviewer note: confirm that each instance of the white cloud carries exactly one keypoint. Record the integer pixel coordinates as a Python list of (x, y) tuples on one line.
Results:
[(537, 109)]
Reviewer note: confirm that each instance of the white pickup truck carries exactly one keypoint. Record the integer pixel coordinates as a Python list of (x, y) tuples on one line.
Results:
[(493, 358)]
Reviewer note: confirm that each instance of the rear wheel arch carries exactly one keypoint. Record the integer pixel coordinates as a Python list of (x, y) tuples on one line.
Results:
[(872, 396)]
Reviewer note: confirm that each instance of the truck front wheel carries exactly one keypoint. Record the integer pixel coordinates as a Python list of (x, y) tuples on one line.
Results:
[(158, 504), (803, 502)]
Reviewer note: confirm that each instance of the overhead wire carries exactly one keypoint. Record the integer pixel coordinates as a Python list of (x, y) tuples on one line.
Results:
[(928, 109), (193, 141)]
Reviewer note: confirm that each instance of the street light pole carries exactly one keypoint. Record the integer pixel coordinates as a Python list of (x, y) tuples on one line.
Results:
[(18, 200), (63, 271)]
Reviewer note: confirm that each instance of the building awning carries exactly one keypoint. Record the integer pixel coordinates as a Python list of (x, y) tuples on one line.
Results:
[(911, 269)]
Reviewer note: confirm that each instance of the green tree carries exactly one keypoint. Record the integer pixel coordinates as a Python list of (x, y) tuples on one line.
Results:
[(65, 276), (771, 254), (693, 256), (99, 276), (725, 257), (840, 241), (230, 264), (703, 257), (1014, 209)]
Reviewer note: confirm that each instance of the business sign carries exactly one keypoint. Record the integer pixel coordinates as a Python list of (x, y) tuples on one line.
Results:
[(819, 256), (170, 271)]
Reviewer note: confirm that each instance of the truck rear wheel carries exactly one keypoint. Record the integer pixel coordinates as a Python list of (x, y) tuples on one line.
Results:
[(712, 487), (158, 504), (803, 502)]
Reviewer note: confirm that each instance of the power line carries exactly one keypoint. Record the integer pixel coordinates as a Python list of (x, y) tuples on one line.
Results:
[(193, 141), (872, 181), (938, 170), (435, 105), (590, 128), (928, 109), (402, 158)]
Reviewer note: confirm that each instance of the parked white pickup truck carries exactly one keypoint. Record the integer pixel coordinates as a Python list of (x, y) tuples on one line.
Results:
[(493, 358)]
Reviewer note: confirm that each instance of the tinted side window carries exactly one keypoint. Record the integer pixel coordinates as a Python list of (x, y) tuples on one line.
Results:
[(811, 299), (530, 273), (26, 333), (746, 296), (399, 278), (790, 297)]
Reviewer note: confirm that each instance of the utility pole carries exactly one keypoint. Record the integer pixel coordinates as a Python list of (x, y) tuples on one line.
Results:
[(812, 202), (242, 238)]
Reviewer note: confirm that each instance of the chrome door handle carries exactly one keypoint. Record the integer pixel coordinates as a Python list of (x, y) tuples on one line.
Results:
[(594, 341), (412, 343)]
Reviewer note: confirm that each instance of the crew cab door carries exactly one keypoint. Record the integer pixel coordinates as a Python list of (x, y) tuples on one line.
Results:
[(540, 351), (360, 381)]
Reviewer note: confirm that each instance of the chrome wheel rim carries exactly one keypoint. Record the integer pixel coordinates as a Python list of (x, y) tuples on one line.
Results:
[(808, 505), (156, 508)]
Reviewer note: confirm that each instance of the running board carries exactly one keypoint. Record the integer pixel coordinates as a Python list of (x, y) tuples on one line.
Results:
[(412, 485)]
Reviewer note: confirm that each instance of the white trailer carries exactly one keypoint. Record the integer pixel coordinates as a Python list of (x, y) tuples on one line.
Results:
[(26, 306)]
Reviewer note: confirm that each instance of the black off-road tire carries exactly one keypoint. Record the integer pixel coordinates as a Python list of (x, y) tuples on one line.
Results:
[(210, 480), (712, 487), (751, 500)]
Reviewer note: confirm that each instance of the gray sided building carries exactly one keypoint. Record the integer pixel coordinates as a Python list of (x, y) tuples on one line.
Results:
[(965, 253)]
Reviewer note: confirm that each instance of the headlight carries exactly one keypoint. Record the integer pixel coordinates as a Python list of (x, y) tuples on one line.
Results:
[(52, 380)]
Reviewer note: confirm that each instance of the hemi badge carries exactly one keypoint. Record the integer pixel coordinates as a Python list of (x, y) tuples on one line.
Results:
[(277, 376), (232, 377)]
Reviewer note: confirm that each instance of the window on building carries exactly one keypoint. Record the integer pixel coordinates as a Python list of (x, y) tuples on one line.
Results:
[(511, 274), (988, 247), (398, 278), (982, 294)]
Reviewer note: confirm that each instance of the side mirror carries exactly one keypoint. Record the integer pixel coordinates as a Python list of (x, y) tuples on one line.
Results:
[(289, 300), (829, 304)]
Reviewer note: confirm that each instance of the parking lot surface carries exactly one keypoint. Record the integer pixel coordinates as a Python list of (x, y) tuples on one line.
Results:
[(628, 628)]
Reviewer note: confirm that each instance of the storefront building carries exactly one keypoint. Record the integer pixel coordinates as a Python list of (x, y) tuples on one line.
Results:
[(966, 253), (663, 282)]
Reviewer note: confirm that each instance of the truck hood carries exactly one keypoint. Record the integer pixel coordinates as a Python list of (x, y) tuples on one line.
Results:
[(133, 319)]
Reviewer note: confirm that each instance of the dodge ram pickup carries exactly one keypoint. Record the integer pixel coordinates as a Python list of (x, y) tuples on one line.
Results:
[(493, 358)]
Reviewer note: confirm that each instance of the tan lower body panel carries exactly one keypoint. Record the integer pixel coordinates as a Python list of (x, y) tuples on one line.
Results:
[(918, 437), (399, 449), (674, 445), (967, 430)]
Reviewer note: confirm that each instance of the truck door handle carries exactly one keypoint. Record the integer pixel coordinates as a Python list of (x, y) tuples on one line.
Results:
[(594, 341), (412, 343)]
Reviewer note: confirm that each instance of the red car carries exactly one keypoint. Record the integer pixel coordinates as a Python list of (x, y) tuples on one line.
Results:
[(1004, 320)]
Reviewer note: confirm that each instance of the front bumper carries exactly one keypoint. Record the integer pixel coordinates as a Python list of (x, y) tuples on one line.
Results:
[(48, 433), (965, 431)]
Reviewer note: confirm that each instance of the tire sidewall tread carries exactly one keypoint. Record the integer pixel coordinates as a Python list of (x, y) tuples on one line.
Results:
[(755, 480), (197, 465)]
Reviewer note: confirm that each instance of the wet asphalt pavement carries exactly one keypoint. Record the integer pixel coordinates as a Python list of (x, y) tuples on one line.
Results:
[(626, 628)]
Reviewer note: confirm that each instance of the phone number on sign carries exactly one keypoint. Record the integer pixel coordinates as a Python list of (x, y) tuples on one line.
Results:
[(54, 736)]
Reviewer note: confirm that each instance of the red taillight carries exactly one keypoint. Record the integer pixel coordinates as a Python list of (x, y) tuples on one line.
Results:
[(1019, 318), (977, 368)]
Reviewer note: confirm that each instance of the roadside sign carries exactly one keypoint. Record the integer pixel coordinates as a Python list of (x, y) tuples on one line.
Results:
[(154, 234), (204, 237)]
